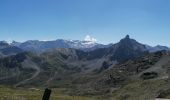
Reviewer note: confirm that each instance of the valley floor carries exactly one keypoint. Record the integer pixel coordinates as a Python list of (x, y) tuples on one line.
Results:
[(35, 94)]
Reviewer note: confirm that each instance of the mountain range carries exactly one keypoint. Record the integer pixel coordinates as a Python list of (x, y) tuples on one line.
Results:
[(41, 46), (87, 68)]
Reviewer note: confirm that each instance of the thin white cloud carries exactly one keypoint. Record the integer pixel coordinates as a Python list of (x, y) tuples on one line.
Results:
[(89, 38), (9, 40)]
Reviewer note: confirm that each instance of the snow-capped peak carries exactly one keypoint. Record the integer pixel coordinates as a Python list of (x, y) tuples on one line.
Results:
[(90, 39)]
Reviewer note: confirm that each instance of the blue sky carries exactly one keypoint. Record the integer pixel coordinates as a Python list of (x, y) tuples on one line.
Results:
[(148, 21)]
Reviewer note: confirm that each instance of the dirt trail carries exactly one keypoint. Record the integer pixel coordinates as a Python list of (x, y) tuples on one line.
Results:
[(29, 64), (51, 79)]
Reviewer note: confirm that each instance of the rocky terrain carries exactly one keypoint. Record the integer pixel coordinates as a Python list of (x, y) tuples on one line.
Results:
[(127, 70)]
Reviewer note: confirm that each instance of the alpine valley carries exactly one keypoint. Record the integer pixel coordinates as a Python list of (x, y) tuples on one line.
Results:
[(127, 70)]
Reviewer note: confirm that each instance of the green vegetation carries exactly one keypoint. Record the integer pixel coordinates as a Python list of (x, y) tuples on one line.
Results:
[(144, 78), (143, 90), (7, 93)]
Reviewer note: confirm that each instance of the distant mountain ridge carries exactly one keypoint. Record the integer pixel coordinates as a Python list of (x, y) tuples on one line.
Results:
[(60, 43), (157, 48), (41, 46), (7, 49)]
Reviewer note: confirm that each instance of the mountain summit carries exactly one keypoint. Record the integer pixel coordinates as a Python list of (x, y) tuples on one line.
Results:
[(127, 37), (127, 42), (126, 49)]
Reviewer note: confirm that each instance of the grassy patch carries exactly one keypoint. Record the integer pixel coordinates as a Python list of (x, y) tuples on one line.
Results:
[(7, 93), (142, 90)]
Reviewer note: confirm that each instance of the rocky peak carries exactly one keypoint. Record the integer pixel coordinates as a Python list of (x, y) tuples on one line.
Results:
[(127, 40), (127, 37)]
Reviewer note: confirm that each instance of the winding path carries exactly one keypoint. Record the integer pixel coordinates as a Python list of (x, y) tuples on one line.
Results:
[(29, 64)]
